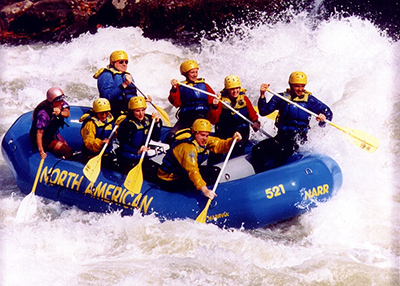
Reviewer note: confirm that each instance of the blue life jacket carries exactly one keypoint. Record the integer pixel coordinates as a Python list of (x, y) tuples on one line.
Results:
[(230, 122), (103, 131), (193, 101), (132, 135)]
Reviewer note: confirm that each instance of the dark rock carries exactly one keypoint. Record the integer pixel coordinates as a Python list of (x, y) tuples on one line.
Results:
[(29, 21), (60, 20)]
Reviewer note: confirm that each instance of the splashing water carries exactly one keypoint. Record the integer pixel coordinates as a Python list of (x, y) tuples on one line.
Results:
[(350, 240)]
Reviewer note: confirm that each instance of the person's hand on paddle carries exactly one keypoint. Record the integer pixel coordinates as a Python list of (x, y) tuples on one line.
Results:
[(105, 140), (208, 193), (155, 116), (216, 100), (237, 136), (128, 80), (321, 117), (149, 99), (174, 83), (256, 125), (264, 87), (42, 154), (143, 149)]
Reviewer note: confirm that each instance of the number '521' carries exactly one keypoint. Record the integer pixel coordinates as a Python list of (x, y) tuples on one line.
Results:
[(275, 191)]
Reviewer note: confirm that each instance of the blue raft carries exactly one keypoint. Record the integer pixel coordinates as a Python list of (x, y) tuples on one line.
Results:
[(244, 199)]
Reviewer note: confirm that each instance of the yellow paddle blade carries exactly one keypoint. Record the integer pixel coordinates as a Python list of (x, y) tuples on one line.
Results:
[(271, 116), (163, 114), (92, 168), (203, 215), (134, 179), (359, 138)]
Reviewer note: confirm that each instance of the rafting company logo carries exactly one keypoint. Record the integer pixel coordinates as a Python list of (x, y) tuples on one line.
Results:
[(217, 216), (311, 197), (316, 192), (106, 192)]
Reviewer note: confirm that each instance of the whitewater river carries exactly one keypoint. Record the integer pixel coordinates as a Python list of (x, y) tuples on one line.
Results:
[(351, 240)]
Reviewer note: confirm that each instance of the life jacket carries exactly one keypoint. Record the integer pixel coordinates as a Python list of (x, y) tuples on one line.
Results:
[(118, 103), (52, 129), (111, 70), (171, 164), (292, 118), (132, 135), (193, 101), (103, 129), (229, 121)]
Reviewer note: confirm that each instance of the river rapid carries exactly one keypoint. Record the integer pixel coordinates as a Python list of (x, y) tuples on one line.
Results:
[(351, 240)]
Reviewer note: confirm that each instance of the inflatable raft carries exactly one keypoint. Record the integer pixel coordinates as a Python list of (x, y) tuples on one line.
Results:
[(244, 199)]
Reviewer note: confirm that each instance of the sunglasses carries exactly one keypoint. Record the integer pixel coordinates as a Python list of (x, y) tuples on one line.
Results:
[(123, 62), (59, 98)]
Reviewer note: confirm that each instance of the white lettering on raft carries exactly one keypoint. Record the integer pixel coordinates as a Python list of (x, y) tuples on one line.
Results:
[(105, 192)]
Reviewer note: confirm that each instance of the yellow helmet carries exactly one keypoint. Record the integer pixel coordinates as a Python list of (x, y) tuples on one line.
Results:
[(297, 77), (188, 65), (137, 102), (101, 105), (232, 81), (201, 125), (118, 55)]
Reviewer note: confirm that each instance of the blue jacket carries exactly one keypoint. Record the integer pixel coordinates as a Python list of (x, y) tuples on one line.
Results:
[(292, 118), (109, 83), (132, 135)]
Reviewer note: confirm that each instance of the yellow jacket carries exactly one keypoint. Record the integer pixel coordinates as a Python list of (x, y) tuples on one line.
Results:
[(90, 136), (187, 155)]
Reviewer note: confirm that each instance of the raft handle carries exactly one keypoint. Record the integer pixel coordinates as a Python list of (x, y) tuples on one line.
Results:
[(309, 171)]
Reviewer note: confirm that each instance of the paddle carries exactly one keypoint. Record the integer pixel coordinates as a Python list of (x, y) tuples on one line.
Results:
[(359, 138), (163, 114), (227, 105), (203, 215), (28, 205), (93, 166), (271, 116), (134, 179)]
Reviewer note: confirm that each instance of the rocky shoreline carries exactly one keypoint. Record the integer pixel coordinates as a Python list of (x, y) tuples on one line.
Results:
[(29, 21), (61, 20)]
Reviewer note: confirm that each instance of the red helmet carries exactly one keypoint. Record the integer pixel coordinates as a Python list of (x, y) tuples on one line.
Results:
[(54, 93)]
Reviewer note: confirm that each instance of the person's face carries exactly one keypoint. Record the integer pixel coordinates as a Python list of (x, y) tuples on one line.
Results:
[(234, 92), (57, 104), (201, 137), (139, 113), (121, 65), (193, 74), (297, 89), (102, 116)]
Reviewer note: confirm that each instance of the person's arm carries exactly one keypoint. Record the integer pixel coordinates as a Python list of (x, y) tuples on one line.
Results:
[(88, 134), (253, 116), (39, 143), (267, 108), (215, 106), (108, 88), (174, 94), (186, 154), (65, 110), (156, 135), (320, 108), (217, 145)]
